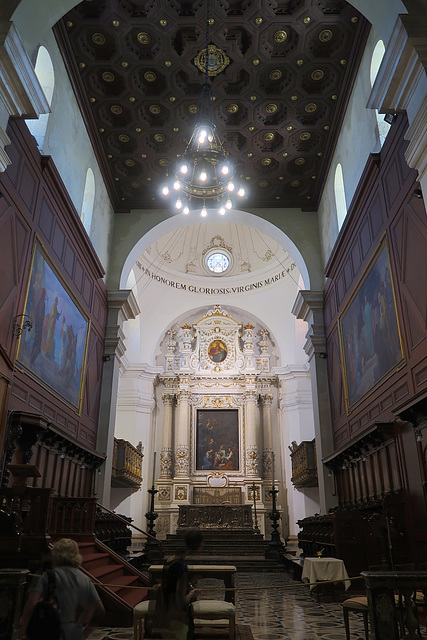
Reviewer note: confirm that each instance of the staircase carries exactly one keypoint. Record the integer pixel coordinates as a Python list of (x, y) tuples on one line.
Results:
[(115, 580), (242, 548)]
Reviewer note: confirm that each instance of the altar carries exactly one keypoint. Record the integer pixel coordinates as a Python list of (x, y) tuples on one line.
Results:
[(215, 516)]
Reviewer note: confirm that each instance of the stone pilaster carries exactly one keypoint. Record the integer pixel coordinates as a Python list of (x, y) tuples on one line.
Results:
[(166, 452), (266, 401), (308, 306), (182, 436), (252, 440)]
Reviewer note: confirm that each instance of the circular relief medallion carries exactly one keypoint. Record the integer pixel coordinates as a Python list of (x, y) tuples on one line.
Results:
[(266, 161), (262, 183), (154, 109), (116, 109), (107, 76), (150, 76), (299, 161), (232, 108), (192, 108), (280, 36), (275, 74), (325, 35), (311, 107), (268, 137), (123, 137), (271, 108), (295, 183), (217, 351), (317, 74), (135, 184), (98, 39), (216, 60), (129, 162), (159, 137), (143, 38), (305, 135)]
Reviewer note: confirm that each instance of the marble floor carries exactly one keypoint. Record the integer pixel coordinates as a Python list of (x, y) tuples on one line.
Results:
[(276, 608)]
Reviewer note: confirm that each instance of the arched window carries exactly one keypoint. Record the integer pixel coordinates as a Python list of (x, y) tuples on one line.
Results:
[(46, 77), (340, 202), (88, 200), (377, 56)]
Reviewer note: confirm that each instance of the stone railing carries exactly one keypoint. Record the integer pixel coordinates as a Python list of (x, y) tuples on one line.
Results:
[(127, 465), (396, 599)]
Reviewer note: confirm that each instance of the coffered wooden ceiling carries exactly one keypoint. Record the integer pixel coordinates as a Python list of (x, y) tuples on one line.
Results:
[(284, 71)]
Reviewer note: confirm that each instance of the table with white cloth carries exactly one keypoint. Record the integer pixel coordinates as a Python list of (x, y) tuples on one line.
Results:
[(318, 569)]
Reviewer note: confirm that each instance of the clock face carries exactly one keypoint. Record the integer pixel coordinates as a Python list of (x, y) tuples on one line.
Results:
[(218, 262), (217, 351)]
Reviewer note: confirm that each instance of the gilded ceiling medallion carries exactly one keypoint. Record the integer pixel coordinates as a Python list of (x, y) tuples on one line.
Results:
[(305, 135), (268, 137), (232, 108), (125, 64), (192, 108), (98, 39), (150, 76), (317, 74), (299, 161), (251, 128), (266, 161), (211, 21), (135, 184), (92, 99), (354, 19), (258, 21), (154, 109), (123, 137), (289, 128), (275, 74), (138, 129), (307, 20), (271, 108), (163, 22), (280, 36), (168, 63), (82, 65), (300, 62), (132, 99), (163, 162), (295, 183), (310, 107), (294, 98), (285, 154), (263, 183), (253, 98), (325, 35), (143, 37), (172, 98), (159, 137), (129, 162), (69, 23), (255, 62), (116, 23), (217, 60), (343, 61), (250, 154)]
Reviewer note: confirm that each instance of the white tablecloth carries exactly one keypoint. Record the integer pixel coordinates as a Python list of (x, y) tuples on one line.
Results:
[(324, 569)]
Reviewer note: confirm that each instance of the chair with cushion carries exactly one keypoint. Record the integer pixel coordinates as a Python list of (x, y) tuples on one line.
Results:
[(356, 605), (219, 610)]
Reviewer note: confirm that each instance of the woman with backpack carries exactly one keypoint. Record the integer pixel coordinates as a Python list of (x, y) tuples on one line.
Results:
[(68, 590)]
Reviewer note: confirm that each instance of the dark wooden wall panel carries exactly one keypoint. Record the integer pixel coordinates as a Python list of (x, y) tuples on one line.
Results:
[(34, 203)]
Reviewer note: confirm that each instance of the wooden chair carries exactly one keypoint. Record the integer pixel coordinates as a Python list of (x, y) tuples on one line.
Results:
[(356, 605), (218, 610)]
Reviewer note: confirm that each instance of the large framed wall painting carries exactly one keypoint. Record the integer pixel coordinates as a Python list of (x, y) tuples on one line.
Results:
[(217, 439), (54, 351), (371, 345)]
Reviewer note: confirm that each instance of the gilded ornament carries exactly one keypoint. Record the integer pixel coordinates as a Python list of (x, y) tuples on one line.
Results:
[(325, 35), (281, 177), (154, 109), (116, 23), (343, 61), (172, 98), (305, 135), (310, 107), (109, 156), (271, 108), (176, 129), (289, 127), (211, 21), (255, 62), (192, 108), (138, 129), (326, 127), (135, 184), (285, 154), (268, 137), (159, 137), (299, 161), (280, 36), (251, 128), (168, 63), (132, 99), (300, 62), (163, 22), (217, 60), (69, 23), (354, 19), (143, 155), (129, 162), (263, 183), (163, 162), (101, 130), (294, 98), (320, 154), (82, 65), (253, 98), (313, 177), (275, 74), (125, 64), (250, 154), (150, 76), (258, 21), (92, 99), (266, 162), (317, 74), (107, 76), (143, 37), (295, 183), (307, 20), (98, 39), (232, 108), (334, 97), (116, 109), (116, 179), (123, 137)]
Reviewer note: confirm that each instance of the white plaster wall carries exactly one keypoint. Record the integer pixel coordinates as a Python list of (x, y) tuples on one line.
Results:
[(67, 142), (358, 138)]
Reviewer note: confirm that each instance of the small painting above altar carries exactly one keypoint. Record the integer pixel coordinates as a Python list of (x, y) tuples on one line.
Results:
[(217, 439), (217, 351)]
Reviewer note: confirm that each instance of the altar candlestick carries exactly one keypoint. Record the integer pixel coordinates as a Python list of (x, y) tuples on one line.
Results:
[(272, 468), (154, 468)]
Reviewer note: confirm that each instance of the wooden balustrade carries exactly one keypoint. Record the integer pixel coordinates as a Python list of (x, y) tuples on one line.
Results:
[(386, 612), (73, 517), (127, 464), (304, 468)]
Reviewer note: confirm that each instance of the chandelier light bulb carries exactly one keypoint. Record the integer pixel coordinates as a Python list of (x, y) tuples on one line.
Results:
[(177, 185), (228, 204), (178, 203), (203, 212), (203, 175), (184, 168), (165, 190), (241, 192), (224, 170), (222, 211), (186, 210), (210, 137), (230, 186)]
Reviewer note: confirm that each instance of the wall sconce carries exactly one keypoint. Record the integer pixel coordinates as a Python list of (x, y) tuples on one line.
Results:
[(417, 193), (18, 328), (106, 358), (419, 436), (323, 355)]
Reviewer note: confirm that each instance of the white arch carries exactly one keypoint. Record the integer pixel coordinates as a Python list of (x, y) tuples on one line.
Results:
[(340, 202), (88, 200), (46, 76), (239, 217)]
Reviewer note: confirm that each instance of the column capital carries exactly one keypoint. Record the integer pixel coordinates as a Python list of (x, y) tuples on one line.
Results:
[(308, 306), (168, 398), (306, 303)]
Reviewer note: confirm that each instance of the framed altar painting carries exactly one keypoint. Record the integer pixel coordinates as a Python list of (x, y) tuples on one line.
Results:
[(53, 352), (217, 440), (371, 345)]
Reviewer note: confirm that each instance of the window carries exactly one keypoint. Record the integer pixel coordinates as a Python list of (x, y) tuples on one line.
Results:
[(340, 202), (377, 56), (88, 200), (217, 261), (46, 76)]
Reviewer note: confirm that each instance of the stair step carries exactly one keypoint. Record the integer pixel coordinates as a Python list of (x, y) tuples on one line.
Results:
[(108, 572), (93, 560), (133, 596), (124, 581)]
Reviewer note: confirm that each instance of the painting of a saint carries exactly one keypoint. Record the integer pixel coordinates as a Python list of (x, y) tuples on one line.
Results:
[(370, 340), (217, 351), (217, 438), (54, 351)]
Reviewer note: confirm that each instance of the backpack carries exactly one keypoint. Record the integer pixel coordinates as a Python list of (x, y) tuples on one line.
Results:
[(45, 623)]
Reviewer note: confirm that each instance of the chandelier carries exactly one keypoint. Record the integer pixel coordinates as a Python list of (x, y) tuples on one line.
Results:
[(203, 174)]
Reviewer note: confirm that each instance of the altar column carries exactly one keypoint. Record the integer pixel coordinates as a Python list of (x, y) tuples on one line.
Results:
[(267, 400), (166, 452), (252, 439), (182, 440)]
